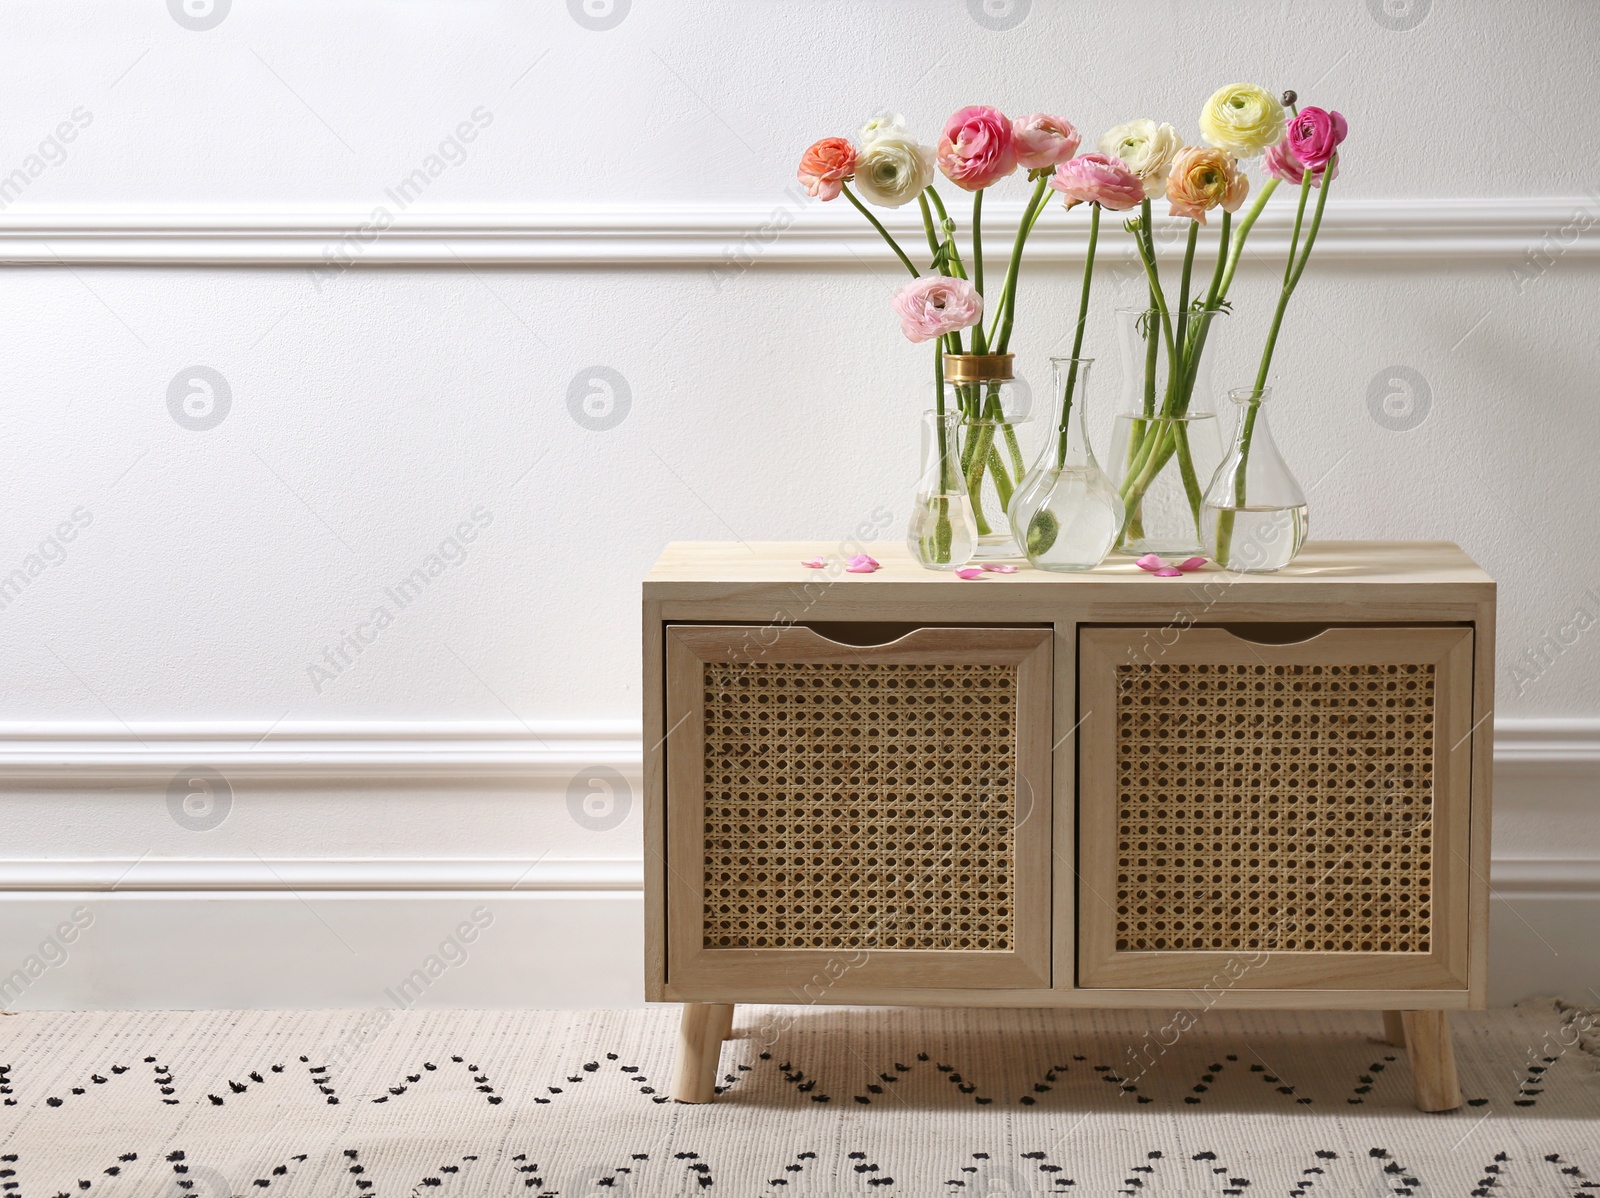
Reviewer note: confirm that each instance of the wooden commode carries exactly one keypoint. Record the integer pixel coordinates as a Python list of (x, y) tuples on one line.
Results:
[(1046, 790)]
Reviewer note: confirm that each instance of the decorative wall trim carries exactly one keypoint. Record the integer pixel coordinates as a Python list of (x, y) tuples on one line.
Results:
[(461, 751), (110, 875), (793, 229), (464, 751)]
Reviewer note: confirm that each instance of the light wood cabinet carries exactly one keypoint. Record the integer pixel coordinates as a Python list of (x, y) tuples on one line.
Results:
[(1100, 790)]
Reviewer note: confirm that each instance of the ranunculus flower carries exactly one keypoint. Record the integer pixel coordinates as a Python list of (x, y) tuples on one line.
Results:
[(893, 170), (933, 306), (826, 165), (1279, 162), (978, 147), (1044, 140), (1314, 135), (1242, 119), (1148, 148), (1098, 179), (1201, 179)]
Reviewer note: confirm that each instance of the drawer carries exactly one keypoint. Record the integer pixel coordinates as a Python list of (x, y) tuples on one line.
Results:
[(1260, 814), (858, 815)]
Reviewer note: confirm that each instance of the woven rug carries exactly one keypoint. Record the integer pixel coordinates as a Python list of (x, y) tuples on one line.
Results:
[(350, 1104)]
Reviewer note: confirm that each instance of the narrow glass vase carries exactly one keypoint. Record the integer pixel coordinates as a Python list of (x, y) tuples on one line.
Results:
[(1255, 510), (995, 409), (1066, 514), (942, 534), (1165, 445)]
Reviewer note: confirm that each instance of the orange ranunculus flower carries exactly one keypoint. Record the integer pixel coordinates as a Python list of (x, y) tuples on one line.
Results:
[(826, 165), (1203, 178)]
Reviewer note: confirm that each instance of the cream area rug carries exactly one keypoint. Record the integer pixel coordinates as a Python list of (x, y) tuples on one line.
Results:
[(349, 1104)]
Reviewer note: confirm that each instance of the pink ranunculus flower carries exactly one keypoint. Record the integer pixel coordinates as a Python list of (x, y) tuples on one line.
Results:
[(977, 148), (1044, 140), (1314, 135), (1098, 179), (1279, 162), (826, 165), (933, 306)]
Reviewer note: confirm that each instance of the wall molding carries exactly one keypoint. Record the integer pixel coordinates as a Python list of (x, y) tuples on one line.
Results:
[(733, 238), (112, 757), (460, 751), (112, 754)]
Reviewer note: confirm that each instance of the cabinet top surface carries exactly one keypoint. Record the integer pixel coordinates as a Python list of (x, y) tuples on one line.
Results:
[(767, 562)]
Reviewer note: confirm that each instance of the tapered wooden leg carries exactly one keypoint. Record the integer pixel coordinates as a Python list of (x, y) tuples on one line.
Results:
[(694, 1079), (726, 1029), (1433, 1060), (1394, 1028)]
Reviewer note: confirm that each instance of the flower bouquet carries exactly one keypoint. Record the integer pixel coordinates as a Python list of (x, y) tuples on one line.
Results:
[(974, 457)]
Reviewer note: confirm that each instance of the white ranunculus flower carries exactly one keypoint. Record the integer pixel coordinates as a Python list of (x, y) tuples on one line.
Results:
[(894, 170), (1147, 148), (882, 124)]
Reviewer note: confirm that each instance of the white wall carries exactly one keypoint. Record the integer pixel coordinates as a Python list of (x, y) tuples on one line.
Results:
[(626, 203)]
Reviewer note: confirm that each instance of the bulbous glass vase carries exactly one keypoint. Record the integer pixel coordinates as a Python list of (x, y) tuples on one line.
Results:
[(1066, 515), (1255, 510)]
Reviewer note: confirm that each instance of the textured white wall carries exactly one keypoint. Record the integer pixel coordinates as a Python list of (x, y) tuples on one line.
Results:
[(376, 409)]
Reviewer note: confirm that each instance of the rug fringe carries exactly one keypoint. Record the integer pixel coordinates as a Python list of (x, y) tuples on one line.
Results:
[(1578, 1027)]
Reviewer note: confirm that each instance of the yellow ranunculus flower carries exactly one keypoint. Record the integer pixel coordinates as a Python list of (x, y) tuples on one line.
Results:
[(1242, 119)]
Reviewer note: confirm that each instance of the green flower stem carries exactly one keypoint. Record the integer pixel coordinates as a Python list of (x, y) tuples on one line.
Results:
[(1183, 295), (977, 240), (1008, 294), (1077, 336), (942, 531), (927, 226), (1236, 249), (878, 225)]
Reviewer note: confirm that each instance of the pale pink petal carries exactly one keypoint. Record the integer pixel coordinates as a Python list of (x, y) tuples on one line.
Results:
[(862, 568), (1191, 563), (1151, 562), (999, 568), (815, 563), (969, 572), (1168, 572), (865, 559)]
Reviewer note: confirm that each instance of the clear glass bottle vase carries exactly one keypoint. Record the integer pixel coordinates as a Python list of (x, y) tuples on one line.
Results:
[(1255, 510), (1066, 514), (1166, 443), (996, 416), (942, 534)]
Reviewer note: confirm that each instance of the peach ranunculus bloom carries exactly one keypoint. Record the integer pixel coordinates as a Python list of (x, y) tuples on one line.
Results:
[(932, 306), (1044, 140), (1098, 179), (826, 165), (978, 147), (1203, 178)]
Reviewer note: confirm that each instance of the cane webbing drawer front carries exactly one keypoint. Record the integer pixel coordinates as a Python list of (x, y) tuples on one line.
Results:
[(858, 804), (1265, 815)]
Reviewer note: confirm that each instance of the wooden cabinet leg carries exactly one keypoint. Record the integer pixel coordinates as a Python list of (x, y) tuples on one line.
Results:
[(1394, 1028), (694, 1078), (725, 1032), (1433, 1060)]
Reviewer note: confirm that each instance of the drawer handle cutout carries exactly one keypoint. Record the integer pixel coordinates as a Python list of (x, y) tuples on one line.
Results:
[(862, 635), (1276, 634)]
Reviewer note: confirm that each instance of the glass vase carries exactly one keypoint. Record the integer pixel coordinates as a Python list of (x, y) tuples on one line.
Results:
[(1066, 514), (942, 534), (1166, 443), (996, 412), (1255, 510)]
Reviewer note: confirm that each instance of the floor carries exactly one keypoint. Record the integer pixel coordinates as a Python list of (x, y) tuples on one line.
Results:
[(816, 1100)]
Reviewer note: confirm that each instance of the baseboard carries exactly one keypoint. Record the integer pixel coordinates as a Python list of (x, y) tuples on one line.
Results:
[(369, 875), (789, 228)]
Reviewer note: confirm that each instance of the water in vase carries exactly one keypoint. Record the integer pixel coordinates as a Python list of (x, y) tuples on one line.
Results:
[(1264, 539)]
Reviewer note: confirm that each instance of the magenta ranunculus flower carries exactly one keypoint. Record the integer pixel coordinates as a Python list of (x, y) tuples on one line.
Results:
[(1098, 179), (977, 148), (1314, 135), (1044, 140), (1280, 162), (933, 306)]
